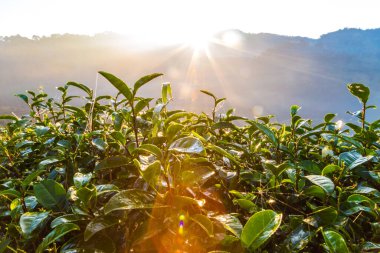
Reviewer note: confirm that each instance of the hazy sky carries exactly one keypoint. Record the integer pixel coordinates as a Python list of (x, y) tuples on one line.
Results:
[(179, 19)]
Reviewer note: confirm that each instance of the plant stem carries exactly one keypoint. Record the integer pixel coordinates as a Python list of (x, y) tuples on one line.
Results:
[(363, 115)]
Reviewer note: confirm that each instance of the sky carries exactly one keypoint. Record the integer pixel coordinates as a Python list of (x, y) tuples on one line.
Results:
[(179, 20)]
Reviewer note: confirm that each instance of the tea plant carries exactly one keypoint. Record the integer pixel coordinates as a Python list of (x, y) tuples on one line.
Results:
[(126, 174)]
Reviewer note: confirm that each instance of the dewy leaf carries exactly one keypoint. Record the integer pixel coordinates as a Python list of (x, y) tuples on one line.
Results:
[(360, 91), (358, 199), (259, 228), (190, 145), (144, 80), (324, 182), (49, 193), (30, 221), (55, 234), (353, 159), (99, 144), (299, 238), (118, 84), (129, 200), (335, 242), (98, 224), (231, 223), (112, 162), (81, 179), (371, 246), (41, 130), (49, 161), (68, 218)]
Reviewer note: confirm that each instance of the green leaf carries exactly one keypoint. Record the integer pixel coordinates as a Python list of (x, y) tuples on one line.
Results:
[(55, 234), (150, 148), (310, 166), (299, 238), (99, 144), (104, 188), (79, 113), (315, 191), (112, 162), (204, 222), (8, 117), (329, 117), (324, 182), (182, 201), (98, 224), (119, 137), (176, 116), (352, 159), (10, 192), (277, 169), (118, 84), (166, 93), (82, 87), (197, 174), (144, 80), (4, 244), (322, 216), (209, 94), (81, 180), (50, 194), (294, 109), (330, 169), (267, 131), (189, 145), (359, 199), (49, 161), (86, 194), (30, 221), (67, 218), (259, 228), (224, 153), (129, 200), (142, 104), (23, 97), (41, 130), (360, 91), (99, 243), (335, 242), (223, 125), (368, 246), (231, 223), (246, 204), (152, 173)]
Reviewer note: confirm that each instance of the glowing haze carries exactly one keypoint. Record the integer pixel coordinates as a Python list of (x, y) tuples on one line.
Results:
[(178, 21)]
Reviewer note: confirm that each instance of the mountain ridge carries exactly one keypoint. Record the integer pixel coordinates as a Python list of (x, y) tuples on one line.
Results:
[(274, 71)]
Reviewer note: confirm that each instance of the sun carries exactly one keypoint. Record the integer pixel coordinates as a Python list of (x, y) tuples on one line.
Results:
[(200, 42)]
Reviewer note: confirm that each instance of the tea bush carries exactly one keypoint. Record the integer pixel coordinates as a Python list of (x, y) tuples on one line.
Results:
[(126, 174)]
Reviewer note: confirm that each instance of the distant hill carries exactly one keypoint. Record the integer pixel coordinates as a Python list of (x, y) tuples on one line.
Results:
[(261, 74)]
